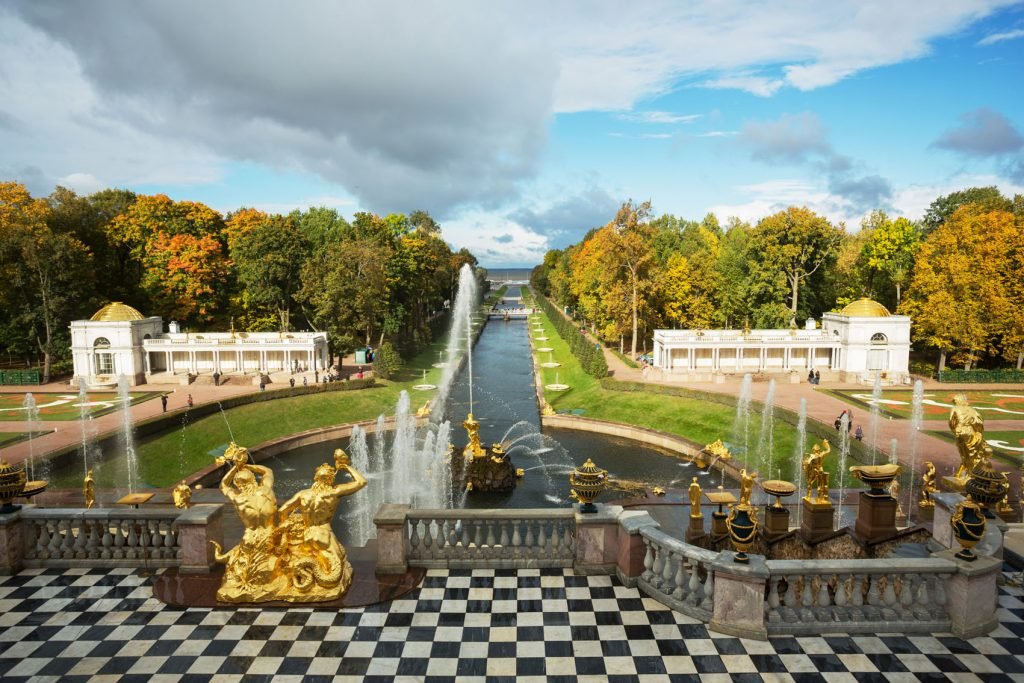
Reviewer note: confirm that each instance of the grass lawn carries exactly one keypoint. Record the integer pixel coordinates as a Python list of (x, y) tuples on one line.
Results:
[(1006, 446), (166, 458), (11, 438), (995, 404), (65, 406), (694, 419)]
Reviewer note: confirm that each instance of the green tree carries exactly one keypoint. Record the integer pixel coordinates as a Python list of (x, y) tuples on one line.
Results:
[(945, 206), (891, 250), (733, 272), (268, 261), (791, 246)]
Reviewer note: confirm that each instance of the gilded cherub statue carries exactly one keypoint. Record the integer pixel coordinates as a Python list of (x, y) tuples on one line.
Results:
[(89, 490), (815, 474), (695, 494), (894, 491), (928, 485), (182, 495), (746, 486), (968, 427)]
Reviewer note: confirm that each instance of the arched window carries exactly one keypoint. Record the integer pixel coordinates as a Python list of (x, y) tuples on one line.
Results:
[(103, 358), (879, 338)]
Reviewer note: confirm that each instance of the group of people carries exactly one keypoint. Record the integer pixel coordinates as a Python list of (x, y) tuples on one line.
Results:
[(858, 433), (813, 377)]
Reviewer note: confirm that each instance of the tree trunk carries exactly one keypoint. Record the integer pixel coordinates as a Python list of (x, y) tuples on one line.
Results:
[(795, 281), (1020, 360), (898, 297), (622, 343), (942, 360), (634, 317)]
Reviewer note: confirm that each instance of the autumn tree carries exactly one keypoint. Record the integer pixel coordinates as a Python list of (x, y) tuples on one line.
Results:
[(891, 249), (791, 246), (630, 252), (960, 295), (940, 210)]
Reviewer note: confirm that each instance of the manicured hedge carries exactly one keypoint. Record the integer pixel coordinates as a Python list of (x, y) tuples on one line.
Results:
[(1007, 376), (588, 353)]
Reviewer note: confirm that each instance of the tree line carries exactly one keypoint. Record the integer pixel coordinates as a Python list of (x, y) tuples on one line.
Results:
[(369, 280), (956, 271)]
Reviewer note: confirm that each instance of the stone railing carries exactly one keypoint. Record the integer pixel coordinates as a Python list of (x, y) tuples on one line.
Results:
[(110, 537), (859, 596), (678, 574), (492, 538)]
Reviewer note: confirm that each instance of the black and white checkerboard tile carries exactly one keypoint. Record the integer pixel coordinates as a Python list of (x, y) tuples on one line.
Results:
[(527, 625)]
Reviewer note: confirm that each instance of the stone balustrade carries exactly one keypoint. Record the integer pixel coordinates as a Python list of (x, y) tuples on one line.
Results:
[(503, 539), (678, 574), (858, 596), (110, 537)]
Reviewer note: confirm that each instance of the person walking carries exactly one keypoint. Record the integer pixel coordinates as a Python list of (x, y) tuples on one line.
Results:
[(291, 382), (189, 401), (263, 385), (216, 378), (859, 434), (817, 377), (810, 376), (163, 401), (305, 381)]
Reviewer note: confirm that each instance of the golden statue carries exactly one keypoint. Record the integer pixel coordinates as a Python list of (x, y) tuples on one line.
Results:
[(424, 411), (718, 450), (473, 448), (746, 486), (968, 427), (546, 409), (894, 491), (89, 490), (182, 495), (695, 494), (297, 559), (1003, 507), (928, 485), (815, 474)]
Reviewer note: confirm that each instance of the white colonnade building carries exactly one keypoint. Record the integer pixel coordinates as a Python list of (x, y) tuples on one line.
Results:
[(118, 340), (856, 344)]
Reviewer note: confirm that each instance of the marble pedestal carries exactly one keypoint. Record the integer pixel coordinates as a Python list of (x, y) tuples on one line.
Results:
[(817, 520), (718, 527), (876, 517), (695, 531), (776, 521)]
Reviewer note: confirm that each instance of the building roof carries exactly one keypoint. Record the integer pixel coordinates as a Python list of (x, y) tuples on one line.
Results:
[(865, 308), (116, 312)]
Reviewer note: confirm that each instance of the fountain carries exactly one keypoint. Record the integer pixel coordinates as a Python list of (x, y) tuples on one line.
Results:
[(741, 425), (798, 452), (916, 418), (551, 362), (766, 437), (128, 435), (876, 400), (844, 452), (440, 360), (461, 329), (424, 385), (84, 422), (31, 418), (556, 386)]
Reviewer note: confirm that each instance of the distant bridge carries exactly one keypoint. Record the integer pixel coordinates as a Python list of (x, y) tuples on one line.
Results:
[(509, 313)]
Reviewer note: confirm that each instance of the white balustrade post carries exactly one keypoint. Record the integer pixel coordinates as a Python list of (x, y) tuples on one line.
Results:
[(392, 538), (12, 542)]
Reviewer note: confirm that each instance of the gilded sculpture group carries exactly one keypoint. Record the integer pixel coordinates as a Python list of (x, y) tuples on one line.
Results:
[(288, 553)]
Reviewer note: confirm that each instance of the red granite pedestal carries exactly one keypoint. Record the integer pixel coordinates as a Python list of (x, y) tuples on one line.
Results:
[(816, 523), (876, 517)]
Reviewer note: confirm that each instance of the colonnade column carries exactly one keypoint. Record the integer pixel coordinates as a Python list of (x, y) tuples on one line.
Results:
[(192, 362), (170, 361), (763, 365)]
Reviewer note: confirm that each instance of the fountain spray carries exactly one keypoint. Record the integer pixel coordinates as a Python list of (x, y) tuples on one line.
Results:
[(32, 416), (766, 438), (131, 462), (798, 454), (916, 418), (876, 397), (844, 451)]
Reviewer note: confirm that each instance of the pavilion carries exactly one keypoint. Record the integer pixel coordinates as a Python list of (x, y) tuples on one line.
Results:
[(119, 340), (856, 344)]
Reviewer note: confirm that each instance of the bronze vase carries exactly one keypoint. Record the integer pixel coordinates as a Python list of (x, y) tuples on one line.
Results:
[(968, 524), (742, 526)]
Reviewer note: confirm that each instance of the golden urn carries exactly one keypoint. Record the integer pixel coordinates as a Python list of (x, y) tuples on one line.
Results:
[(987, 486), (742, 526), (14, 484), (968, 524), (587, 483), (877, 477)]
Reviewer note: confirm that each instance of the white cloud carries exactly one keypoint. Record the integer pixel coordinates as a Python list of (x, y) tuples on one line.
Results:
[(1000, 37), (758, 85), (913, 200), (718, 134), (496, 240), (658, 117)]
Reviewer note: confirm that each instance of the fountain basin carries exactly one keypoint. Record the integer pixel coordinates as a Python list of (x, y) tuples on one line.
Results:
[(556, 387), (545, 349), (541, 338), (551, 365), (424, 387)]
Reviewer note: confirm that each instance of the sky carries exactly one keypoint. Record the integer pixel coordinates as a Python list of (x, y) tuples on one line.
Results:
[(518, 125)]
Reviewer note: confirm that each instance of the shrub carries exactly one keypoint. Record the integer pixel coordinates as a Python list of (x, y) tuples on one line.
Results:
[(387, 361), (588, 353)]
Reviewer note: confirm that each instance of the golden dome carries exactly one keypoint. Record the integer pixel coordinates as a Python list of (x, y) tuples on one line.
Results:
[(865, 308), (116, 312)]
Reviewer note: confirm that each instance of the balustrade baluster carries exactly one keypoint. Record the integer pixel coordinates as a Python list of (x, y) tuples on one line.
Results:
[(889, 592), (76, 528), (774, 600), (491, 540), (678, 577), (426, 541), (42, 544), (555, 547), (648, 561), (55, 540), (874, 599), (939, 597), (504, 537), (107, 542), (659, 566), (414, 539), (790, 598), (842, 592), (708, 602), (529, 543), (92, 541), (907, 595), (668, 573), (67, 544), (117, 526), (517, 539), (542, 539), (568, 539), (694, 587), (824, 601)]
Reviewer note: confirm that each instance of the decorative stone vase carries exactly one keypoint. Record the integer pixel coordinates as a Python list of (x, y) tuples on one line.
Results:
[(12, 485), (986, 486), (742, 526), (878, 477), (587, 483), (968, 524)]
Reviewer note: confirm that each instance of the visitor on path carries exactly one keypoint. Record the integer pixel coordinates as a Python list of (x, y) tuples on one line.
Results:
[(817, 377), (859, 434), (216, 378), (163, 401), (291, 382), (263, 385), (810, 376), (305, 381), (316, 377), (839, 421), (188, 401)]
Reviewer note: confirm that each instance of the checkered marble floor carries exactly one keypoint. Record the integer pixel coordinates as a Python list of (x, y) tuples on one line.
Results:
[(526, 625)]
